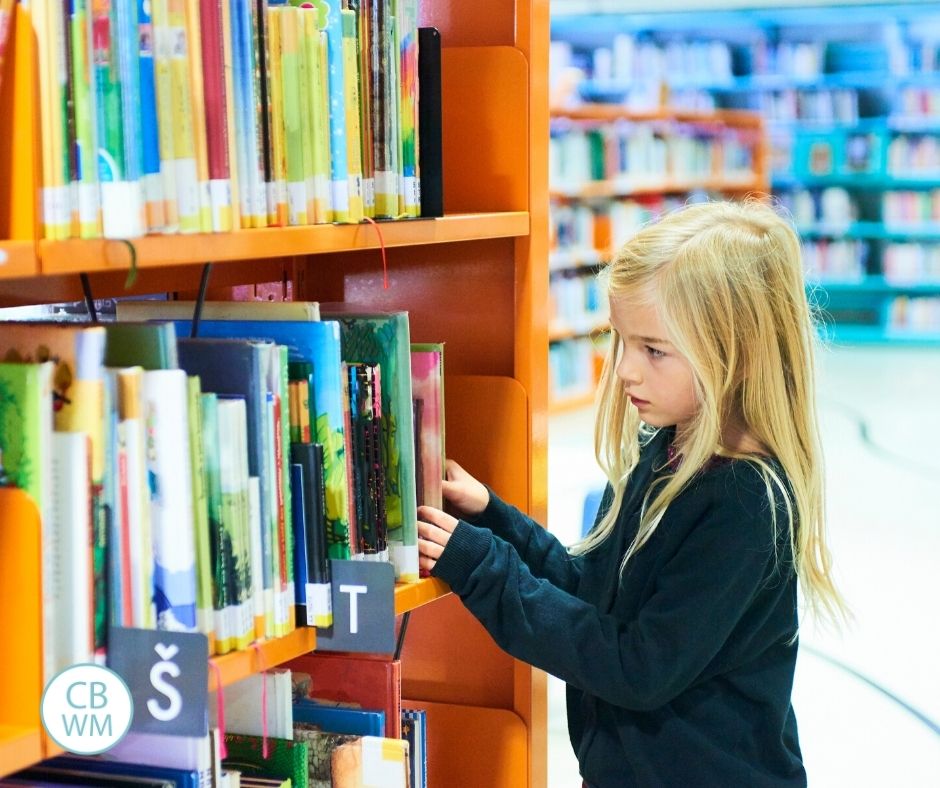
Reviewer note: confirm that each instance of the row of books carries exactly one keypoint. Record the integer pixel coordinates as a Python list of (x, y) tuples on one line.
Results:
[(274, 733), (571, 367), (914, 156), (911, 262), (918, 102), (832, 205), (911, 207), (588, 233), (649, 152), (809, 106), (212, 115), (835, 260), (914, 314), (203, 484), (576, 302)]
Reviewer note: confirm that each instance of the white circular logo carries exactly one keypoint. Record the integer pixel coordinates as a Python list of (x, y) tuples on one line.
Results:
[(87, 709)]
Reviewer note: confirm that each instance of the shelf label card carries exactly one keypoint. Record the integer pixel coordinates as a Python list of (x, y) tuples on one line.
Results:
[(363, 608), (168, 675)]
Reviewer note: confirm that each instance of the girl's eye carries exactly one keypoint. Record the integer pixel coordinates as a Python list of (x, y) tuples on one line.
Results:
[(654, 352)]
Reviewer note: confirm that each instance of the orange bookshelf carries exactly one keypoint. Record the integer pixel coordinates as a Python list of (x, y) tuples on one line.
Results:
[(475, 279)]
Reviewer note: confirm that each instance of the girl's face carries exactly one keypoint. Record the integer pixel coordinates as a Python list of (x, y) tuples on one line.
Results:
[(658, 381)]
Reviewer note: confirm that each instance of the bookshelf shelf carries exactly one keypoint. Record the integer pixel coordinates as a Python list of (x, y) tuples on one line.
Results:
[(409, 596), (575, 402), (76, 256), (873, 230), (612, 112), (606, 190), (19, 747), (878, 284), (17, 259), (241, 664)]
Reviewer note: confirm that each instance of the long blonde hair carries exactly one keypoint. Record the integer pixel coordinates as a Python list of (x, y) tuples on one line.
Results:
[(728, 280)]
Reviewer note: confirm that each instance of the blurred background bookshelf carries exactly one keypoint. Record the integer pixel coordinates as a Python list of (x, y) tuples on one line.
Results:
[(849, 98), (612, 169)]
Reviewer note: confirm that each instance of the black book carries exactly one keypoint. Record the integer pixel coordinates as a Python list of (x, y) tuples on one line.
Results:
[(430, 147)]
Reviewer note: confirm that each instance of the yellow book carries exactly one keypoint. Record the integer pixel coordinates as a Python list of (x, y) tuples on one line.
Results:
[(324, 148), (228, 68), (186, 169), (293, 122), (314, 40), (306, 36), (163, 83), (275, 97), (198, 100), (353, 134)]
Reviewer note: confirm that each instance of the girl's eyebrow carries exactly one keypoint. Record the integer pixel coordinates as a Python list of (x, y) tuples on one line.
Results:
[(649, 340)]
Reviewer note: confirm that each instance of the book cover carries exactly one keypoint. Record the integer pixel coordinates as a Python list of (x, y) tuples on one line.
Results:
[(318, 343), (276, 113), (132, 437), (163, 43), (363, 681), (86, 193), (151, 180), (216, 99), (414, 730), (171, 509), (384, 339), (370, 762), (320, 746), (204, 612), (245, 710), (68, 543), (352, 99), (238, 565), (197, 98), (286, 758), (427, 380), (241, 368), (340, 719), (149, 345), (181, 778), (291, 54), (150, 309)]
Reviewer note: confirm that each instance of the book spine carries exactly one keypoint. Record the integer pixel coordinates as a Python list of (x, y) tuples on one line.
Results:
[(276, 103), (151, 178), (353, 136), (163, 42), (339, 168), (229, 74), (217, 137), (290, 21), (128, 59), (185, 167), (204, 608), (197, 98)]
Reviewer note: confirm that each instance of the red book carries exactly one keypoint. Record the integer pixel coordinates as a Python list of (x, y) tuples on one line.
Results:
[(368, 681), (213, 76)]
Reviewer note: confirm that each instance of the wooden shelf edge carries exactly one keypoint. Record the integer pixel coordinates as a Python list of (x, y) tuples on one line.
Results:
[(610, 112), (88, 256), (609, 190), (19, 747), (576, 402), (18, 259), (241, 664), (409, 596)]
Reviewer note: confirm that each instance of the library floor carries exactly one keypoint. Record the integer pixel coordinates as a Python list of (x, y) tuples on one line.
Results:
[(867, 700)]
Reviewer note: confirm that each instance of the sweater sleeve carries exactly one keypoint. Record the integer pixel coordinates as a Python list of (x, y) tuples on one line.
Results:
[(701, 594), (544, 555)]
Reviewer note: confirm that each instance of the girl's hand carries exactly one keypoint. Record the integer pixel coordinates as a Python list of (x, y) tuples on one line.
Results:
[(467, 497), (434, 530)]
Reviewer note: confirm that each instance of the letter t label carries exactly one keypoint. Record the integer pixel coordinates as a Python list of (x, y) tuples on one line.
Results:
[(353, 592)]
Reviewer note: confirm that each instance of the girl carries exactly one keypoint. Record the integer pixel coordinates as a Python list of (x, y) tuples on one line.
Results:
[(674, 623)]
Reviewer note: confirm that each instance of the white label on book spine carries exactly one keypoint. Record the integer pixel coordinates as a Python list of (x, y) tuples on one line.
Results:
[(220, 192), (87, 203), (319, 602), (405, 559), (187, 193), (368, 192), (297, 203), (412, 198), (340, 196)]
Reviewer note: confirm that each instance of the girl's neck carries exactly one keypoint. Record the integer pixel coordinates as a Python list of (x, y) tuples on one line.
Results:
[(735, 440)]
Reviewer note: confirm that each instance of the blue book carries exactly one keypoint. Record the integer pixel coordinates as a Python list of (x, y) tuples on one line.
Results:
[(180, 777), (237, 368), (319, 343), (149, 130), (340, 719), (414, 730), (299, 522)]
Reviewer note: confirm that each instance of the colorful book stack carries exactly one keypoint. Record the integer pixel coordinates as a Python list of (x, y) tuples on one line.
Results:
[(203, 484), (185, 116)]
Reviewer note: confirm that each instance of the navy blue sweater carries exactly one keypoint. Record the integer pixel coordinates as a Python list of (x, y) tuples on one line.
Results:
[(679, 671)]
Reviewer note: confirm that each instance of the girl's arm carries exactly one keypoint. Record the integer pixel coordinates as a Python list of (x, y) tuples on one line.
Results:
[(541, 551), (701, 595)]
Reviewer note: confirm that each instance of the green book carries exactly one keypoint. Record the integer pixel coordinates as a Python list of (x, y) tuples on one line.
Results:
[(149, 345), (26, 427), (204, 615), (220, 550), (286, 759)]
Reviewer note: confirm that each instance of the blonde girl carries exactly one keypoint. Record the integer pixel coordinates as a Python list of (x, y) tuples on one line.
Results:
[(675, 621)]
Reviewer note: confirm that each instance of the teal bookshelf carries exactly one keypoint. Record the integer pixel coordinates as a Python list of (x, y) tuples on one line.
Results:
[(850, 98)]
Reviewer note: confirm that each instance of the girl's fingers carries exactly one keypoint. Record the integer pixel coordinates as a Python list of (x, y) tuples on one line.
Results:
[(429, 549), (437, 518), (432, 535), (426, 564)]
